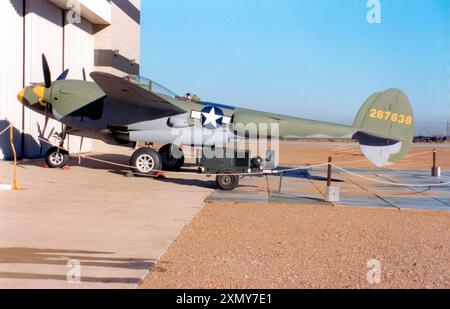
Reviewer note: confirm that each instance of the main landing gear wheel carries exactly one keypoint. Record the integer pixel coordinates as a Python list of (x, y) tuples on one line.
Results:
[(57, 157), (172, 157), (228, 180), (145, 162)]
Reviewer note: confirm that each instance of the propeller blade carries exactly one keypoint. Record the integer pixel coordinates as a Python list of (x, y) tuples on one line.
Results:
[(63, 75), (47, 108), (47, 111), (47, 74), (81, 150)]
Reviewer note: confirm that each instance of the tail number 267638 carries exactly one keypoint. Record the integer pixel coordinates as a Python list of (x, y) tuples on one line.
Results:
[(390, 116)]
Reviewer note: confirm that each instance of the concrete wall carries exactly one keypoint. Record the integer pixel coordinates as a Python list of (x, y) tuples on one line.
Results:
[(41, 31), (79, 55), (43, 35), (73, 46), (117, 45)]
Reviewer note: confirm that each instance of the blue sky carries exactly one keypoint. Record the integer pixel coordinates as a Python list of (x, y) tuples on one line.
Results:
[(316, 59)]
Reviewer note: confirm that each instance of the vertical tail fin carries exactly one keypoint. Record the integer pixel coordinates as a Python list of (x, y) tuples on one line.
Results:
[(385, 127)]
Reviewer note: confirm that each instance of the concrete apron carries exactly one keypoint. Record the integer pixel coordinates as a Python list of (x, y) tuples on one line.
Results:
[(115, 227), (308, 187)]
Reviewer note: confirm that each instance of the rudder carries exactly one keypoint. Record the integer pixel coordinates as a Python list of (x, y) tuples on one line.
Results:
[(385, 127)]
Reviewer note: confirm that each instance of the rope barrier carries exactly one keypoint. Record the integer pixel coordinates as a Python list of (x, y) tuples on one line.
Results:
[(278, 172), (192, 173), (274, 172), (5, 130), (187, 173), (390, 183), (419, 153)]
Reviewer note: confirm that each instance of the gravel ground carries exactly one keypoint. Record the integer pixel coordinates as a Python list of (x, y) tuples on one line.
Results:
[(316, 154), (234, 245), (303, 246)]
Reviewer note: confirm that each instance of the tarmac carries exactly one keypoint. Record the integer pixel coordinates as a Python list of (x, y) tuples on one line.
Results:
[(118, 227), (115, 227)]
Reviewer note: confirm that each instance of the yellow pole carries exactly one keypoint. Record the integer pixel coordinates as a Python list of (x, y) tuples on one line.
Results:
[(15, 186)]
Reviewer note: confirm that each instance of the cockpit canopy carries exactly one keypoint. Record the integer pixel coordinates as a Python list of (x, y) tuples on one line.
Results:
[(150, 85)]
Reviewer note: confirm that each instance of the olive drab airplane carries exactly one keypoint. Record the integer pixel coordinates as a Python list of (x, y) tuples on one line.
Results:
[(124, 111)]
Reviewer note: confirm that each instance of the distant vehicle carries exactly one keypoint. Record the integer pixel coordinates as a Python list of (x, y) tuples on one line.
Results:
[(430, 139), (124, 111), (421, 139)]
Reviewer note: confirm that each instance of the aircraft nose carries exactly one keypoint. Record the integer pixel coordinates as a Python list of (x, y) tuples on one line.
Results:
[(40, 92), (20, 95)]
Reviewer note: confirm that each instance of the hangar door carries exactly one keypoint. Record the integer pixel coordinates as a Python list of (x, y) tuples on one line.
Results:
[(11, 79)]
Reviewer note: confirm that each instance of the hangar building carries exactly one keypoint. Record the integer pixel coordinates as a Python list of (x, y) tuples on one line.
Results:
[(101, 35)]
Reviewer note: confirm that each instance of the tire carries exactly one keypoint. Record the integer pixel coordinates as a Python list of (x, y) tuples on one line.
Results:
[(227, 182), (57, 158), (169, 162), (145, 162)]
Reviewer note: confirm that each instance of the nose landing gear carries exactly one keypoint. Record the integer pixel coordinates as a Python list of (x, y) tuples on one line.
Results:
[(57, 157)]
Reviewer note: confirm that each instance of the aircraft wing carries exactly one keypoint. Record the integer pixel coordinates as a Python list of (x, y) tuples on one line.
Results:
[(126, 92)]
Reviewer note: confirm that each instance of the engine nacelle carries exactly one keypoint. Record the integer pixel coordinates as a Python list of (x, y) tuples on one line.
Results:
[(179, 121)]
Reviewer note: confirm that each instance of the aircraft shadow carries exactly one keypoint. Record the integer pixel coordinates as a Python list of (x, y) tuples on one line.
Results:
[(61, 257), (90, 164), (304, 174), (33, 149), (208, 184), (118, 162), (277, 196), (122, 169)]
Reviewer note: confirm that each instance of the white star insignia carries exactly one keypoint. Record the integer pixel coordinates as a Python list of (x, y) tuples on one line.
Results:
[(211, 118)]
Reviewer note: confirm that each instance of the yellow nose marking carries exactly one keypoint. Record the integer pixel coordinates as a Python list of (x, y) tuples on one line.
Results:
[(40, 92), (20, 95)]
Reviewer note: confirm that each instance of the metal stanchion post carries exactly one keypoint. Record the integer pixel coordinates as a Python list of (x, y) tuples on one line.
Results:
[(281, 182), (330, 161), (331, 192), (15, 185), (435, 170)]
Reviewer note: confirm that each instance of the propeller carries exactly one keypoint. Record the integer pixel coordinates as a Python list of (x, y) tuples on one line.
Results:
[(47, 118), (47, 74), (40, 90), (63, 75), (48, 84)]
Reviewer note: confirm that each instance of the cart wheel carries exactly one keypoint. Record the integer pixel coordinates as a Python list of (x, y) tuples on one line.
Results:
[(228, 180)]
